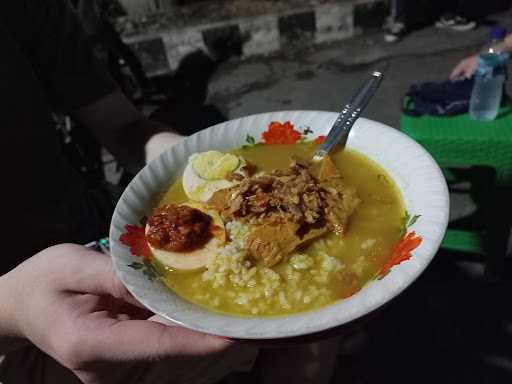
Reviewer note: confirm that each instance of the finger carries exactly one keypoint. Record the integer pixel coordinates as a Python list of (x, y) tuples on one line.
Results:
[(470, 71), (164, 321), (142, 340), (92, 272), (123, 294), (456, 73), (85, 271), (121, 306), (170, 323)]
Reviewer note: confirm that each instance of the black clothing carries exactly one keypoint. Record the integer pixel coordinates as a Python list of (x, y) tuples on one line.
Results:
[(46, 65)]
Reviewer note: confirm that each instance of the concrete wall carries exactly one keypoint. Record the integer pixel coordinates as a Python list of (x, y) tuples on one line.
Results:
[(143, 7), (138, 7), (162, 43), (161, 51), (165, 5)]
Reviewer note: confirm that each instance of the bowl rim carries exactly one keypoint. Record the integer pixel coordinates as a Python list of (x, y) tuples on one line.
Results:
[(275, 327)]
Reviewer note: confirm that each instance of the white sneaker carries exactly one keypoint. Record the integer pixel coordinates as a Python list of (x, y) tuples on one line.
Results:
[(456, 23), (394, 31)]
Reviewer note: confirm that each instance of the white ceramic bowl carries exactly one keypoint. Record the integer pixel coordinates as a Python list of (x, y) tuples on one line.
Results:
[(415, 172)]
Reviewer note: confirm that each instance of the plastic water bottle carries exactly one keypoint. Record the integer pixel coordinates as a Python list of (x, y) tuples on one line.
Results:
[(489, 79)]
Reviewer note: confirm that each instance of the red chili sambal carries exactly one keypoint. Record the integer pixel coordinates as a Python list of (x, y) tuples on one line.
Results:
[(179, 228)]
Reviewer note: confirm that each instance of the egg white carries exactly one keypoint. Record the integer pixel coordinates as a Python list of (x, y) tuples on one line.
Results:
[(199, 189), (186, 261)]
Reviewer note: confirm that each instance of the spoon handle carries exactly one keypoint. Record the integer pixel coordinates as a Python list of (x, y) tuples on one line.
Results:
[(338, 134)]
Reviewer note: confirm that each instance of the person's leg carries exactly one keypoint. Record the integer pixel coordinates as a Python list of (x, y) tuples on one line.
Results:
[(399, 10), (396, 25)]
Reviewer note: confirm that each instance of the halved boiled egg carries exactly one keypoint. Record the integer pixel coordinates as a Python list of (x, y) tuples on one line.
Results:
[(206, 173), (196, 259)]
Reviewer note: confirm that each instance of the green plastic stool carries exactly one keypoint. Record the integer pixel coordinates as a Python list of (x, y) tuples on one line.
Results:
[(461, 141)]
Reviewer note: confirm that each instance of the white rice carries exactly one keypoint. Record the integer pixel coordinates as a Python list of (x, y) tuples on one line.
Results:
[(299, 285)]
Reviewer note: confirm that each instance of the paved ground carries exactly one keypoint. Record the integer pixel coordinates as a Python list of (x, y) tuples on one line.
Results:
[(323, 77), (451, 326)]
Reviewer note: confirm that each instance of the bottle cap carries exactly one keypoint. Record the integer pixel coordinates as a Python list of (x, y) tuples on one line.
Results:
[(498, 33)]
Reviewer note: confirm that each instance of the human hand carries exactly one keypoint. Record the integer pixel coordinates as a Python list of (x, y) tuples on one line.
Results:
[(159, 143), (68, 302), (465, 68)]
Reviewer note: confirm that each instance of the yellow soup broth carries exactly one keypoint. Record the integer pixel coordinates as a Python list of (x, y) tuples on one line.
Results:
[(331, 268)]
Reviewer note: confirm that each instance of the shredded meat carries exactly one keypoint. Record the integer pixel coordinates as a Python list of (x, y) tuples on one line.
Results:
[(341, 200), (283, 196), (179, 228), (289, 207), (273, 243), (292, 195), (246, 171)]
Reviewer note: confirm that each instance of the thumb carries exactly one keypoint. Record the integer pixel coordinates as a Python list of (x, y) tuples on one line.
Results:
[(170, 323), (91, 272), (161, 320)]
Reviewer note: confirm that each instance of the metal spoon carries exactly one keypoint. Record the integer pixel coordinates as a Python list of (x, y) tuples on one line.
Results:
[(338, 134)]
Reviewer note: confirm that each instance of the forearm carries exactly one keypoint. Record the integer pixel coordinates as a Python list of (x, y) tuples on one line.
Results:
[(140, 141), (10, 337), (505, 45), (508, 42), (124, 131)]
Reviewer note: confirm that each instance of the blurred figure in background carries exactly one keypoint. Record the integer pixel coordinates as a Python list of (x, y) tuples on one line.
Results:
[(467, 66), (452, 17)]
